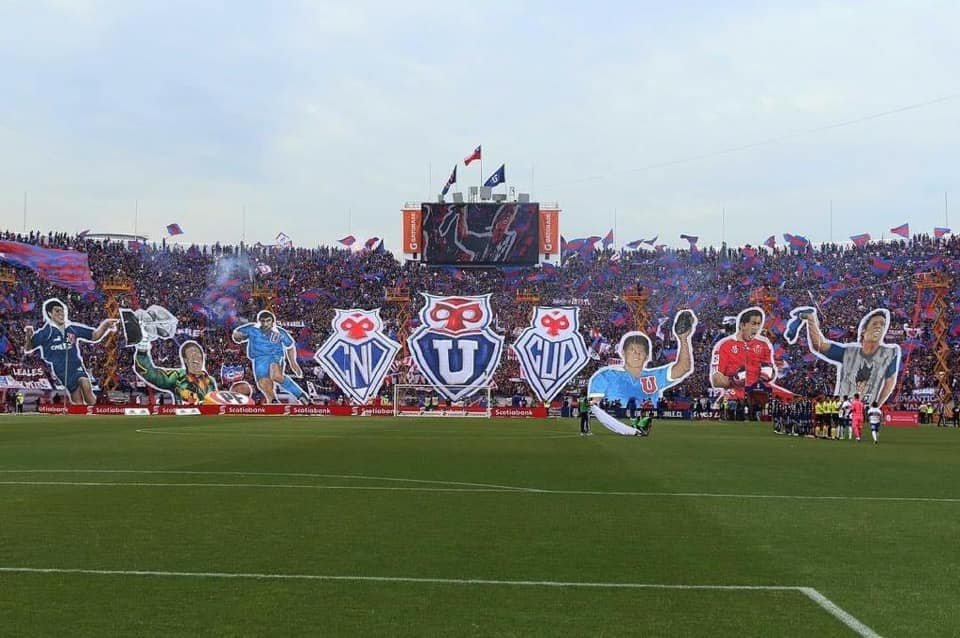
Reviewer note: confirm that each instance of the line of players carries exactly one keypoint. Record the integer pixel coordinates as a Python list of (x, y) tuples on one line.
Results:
[(827, 418)]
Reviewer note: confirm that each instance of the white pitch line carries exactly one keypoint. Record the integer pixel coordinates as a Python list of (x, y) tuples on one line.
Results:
[(362, 477), (281, 486), (840, 614), (483, 487), (822, 601), (390, 434)]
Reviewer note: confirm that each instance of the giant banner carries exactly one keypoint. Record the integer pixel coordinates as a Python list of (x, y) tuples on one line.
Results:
[(551, 350), (455, 347), (357, 355)]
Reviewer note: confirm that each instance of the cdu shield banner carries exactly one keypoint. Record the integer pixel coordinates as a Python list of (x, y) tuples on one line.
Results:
[(455, 347), (357, 356), (551, 351)]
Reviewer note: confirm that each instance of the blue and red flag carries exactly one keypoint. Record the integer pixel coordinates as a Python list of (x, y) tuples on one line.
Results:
[(371, 243), (796, 241), (475, 155), (880, 266), (67, 268), (608, 239), (903, 230), (860, 240), (771, 242), (349, 240), (174, 229), (450, 180), (940, 231)]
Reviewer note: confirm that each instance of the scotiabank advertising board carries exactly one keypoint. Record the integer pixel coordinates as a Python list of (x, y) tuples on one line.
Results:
[(268, 410)]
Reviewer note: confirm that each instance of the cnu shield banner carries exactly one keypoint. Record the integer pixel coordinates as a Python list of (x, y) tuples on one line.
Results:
[(357, 356), (551, 351), (455, 347)]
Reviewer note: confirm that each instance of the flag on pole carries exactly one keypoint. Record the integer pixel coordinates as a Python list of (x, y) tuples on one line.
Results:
[(174, 229), (690, 238), (475, 155), (796, 241), (880, 266), (284, 241), (84, 233), (348, 240), (371, 243), (771, 242), (451, 181), (903, 230), (499, 177), (940, 231), (608, 239), (860, 240)]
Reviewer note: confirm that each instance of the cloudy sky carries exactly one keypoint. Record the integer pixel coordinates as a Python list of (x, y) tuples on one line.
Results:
[(322, 118)]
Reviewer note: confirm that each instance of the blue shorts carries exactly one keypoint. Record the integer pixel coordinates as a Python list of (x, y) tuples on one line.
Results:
[(69, 378), (261, 367), (875, 427)]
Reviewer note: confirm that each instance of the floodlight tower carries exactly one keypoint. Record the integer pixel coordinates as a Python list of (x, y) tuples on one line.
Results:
[(399, 296), (938, 285)]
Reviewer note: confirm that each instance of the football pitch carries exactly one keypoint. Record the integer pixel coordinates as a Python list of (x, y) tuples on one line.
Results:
[(191, 526)]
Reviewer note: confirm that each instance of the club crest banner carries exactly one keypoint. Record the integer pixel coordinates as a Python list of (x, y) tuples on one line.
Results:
[(455, 348), (551, 351), (358, 355)]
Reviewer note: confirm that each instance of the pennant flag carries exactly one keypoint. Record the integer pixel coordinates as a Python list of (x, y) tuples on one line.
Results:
[(903, 230), (499, 177), (450, 181), (771, 242), (67, 268), (174, 229), (880, 266), (939, 231), (608, 239), (475, 155), (348, 240), (371, 243), (860, 240)]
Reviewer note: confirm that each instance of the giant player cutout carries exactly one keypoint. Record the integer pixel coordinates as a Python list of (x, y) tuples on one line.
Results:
[(742, 363), (268, 347), (868, 367), (58, 341), (633, 379)]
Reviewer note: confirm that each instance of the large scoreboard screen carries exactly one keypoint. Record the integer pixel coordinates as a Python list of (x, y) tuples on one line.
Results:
[(482, 234)]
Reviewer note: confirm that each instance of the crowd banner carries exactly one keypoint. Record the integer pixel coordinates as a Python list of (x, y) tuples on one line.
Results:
[(455, 346), (551, 351), (358, 355)]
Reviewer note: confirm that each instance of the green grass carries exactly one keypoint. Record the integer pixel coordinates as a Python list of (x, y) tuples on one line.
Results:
[(253, 496)]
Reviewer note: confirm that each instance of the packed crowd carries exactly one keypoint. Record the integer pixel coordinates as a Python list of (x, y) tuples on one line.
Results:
[(213, 288)]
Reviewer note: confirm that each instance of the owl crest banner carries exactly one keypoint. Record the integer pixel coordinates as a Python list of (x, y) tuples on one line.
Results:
[(455, 347), (358, 355), (551, 350)]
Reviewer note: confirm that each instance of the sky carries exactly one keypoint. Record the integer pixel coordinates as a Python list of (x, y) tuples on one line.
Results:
[(729, 120)]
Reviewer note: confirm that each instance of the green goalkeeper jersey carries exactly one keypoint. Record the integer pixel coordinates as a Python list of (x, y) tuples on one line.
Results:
[(185, 387)]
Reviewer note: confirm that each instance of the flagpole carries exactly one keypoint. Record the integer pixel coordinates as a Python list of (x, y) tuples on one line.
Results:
[(831, 221)]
